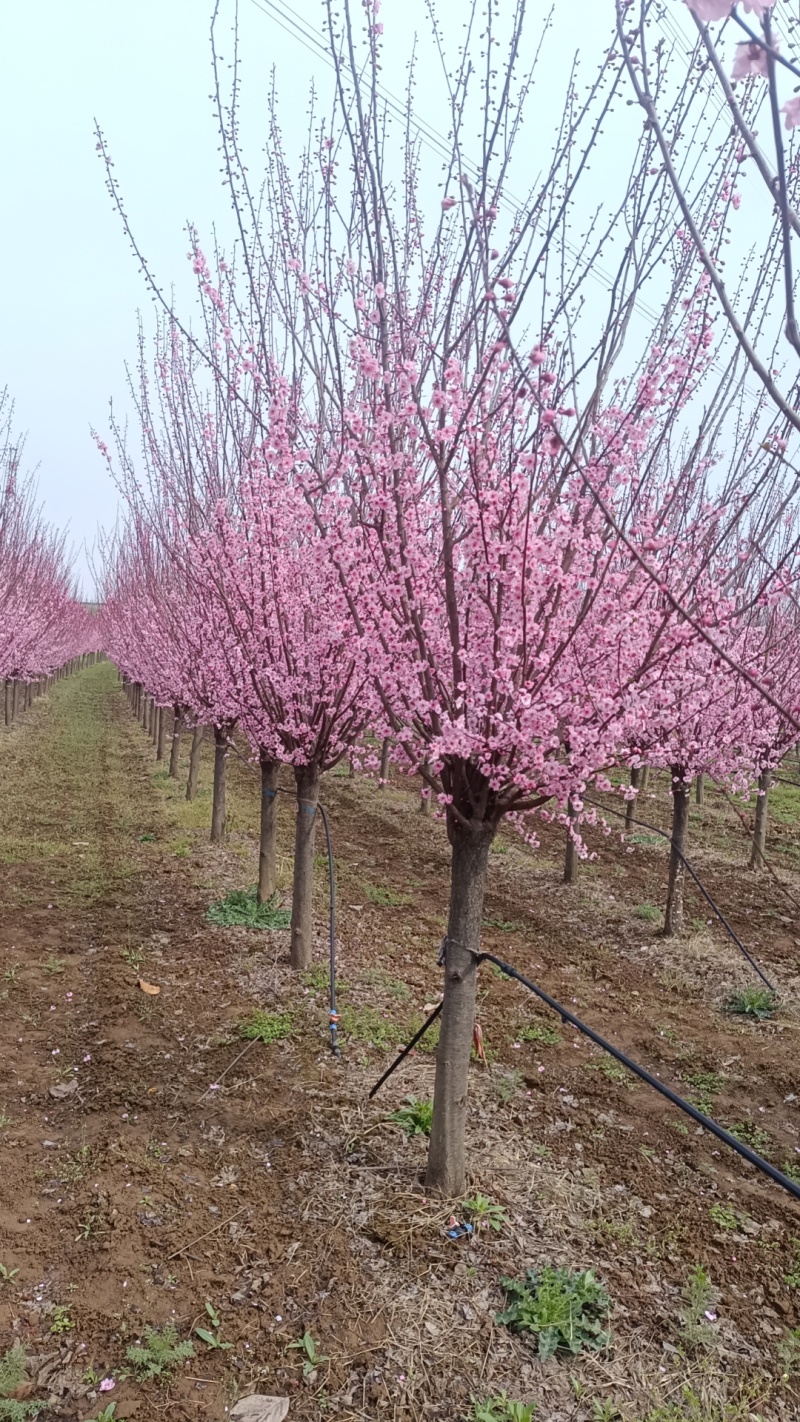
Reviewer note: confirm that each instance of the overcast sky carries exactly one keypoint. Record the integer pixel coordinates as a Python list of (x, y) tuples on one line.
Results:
[(70, 288)]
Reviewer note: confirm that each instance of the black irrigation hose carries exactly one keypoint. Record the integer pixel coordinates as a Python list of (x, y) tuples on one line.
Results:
[(333, 1013), (566, 1016), (703, 890)]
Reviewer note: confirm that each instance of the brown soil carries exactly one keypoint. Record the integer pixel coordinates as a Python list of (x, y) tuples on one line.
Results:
[(187, 1166)]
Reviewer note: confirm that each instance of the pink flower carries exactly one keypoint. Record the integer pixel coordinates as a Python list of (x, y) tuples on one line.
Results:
[(757, 7), (750, 59), (447, 203), (791, 112), (107, 1385), (710, 9)]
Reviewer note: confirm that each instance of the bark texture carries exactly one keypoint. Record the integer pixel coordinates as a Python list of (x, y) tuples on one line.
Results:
[(218, 811), (267, 856), (175, 751), (757, 860), (681, 790), (700, 790), (194, 762), (470, 858), (630, 808), (161, 741), (307, 781), (385, 753), (571, 856)]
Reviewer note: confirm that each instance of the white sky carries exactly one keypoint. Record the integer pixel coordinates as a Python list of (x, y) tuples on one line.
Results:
[(70, 288)]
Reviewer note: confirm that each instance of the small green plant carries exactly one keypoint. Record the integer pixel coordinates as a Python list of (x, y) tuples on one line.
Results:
[(52, 966), (159, 1354), (61, 1320), (507, 1084), (212, 1339), (724, 1216), (500, 1409), (566, 1309), (505, 925), (706, 1086), (241, 909), (751, 1136), (5, 1120), (752, 1002), (7, 1276), (134, 957), (700, 1300), (378, 977), (312, 1359), (648, 912), (266, 1027), (540, 1032), (614, 1072), (485, 1213), (643, 839), (13, 1370), (146, 838), (789, 1352), (793, 1277), (370, 1024), (791, 1170), (386, 898), (415, 1118), (108, 1414)]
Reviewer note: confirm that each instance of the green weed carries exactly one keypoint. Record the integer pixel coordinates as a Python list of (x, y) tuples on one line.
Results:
[(212, 1339), (752, 1002), (378, 977), (62, 1322), (724, 1216), (7, 1276), (368, 1024), (266, 1027), (507, 1084), (707, 1084), (485, 1213), (386, 898), (108, 1414), (648, 912), (241, 909), (312, 1358), (13, 1371), (750, 1135), (415, 1118), (500, 1409), (700, 1300), (565, 1309), (614, 1072), (159, 1354), (505, 925), (540, 1032), (53, 966), (793, 1277)]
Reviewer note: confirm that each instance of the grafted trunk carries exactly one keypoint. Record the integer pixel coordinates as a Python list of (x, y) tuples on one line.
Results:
[(759, 846), (175, 752), (307, 781), (194, 762), (571, 856), (218, 812), (673, 916), (630, 807), (470, 858), (386, 749), (269, 820), (161, 743)]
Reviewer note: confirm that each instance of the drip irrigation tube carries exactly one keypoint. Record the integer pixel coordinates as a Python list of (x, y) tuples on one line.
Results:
[(566, 1016), (701, 886)]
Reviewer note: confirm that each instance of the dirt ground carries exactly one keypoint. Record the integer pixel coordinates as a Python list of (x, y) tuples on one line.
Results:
[(155, 1162)]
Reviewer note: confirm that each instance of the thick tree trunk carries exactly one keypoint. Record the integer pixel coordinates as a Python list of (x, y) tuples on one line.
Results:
[(269, 820), (700, 790), (175, 752), (681, 790), (630, 807), (220, 765), (644, 777), (161, 744), (29, 696), (307, 781), (571, 856), (757, 860), (385, 753), (14, 699), (470, 858), (194, 762), (156, 724)]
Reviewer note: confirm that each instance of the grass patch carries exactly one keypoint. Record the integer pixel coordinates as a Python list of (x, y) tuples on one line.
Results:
[(385, 898), (540, 1032), (707, 1085), (241, 909), (266, 1027), (648, 912), (750, 1135), (613, 1071), (368, 1024), (13, 1374), (378, 977)]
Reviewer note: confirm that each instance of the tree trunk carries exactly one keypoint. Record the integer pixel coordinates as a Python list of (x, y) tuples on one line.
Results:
[(644, 777), (470, 858), (571, 857), (630, 807), (307, 781), (681, 790), (700, 790), (385, 752), (175, 751), (14, 699), (757, 860), (425, 797), (155, 724), (8, 702), (162, 733), (269, 819), (194, 762), (220, 763)]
